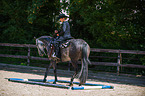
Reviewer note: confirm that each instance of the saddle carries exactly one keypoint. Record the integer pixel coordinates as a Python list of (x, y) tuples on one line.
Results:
[(65, 44)]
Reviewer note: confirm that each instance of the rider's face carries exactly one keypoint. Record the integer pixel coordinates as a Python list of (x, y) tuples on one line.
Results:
[(62, 19)]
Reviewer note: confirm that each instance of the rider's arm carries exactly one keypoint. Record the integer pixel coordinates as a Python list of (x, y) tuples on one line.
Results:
[(63, 29)]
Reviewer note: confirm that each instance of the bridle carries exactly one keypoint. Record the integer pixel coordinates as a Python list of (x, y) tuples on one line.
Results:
[(39, 47)]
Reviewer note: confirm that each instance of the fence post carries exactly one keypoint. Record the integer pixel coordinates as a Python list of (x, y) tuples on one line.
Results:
[(28, 59), (118, 62)]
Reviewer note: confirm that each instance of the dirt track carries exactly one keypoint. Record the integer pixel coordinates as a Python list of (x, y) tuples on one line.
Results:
[(8, 88)]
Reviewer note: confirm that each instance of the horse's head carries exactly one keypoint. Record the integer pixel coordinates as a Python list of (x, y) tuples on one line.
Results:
[(40, 47), (43, 43)]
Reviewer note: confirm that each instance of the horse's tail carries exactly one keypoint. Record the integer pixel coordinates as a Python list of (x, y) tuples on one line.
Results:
[(85, 61)]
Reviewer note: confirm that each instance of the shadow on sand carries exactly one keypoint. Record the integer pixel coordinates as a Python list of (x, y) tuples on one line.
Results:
[(100, 76)]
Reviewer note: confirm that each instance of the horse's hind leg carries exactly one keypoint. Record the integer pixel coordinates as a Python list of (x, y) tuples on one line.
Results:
[(74, 63), (47, 70)]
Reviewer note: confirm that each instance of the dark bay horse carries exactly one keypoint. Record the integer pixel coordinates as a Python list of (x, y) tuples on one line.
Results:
[(78, 49)]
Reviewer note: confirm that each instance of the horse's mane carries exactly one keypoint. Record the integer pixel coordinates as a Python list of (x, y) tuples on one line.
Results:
[(45, 38)]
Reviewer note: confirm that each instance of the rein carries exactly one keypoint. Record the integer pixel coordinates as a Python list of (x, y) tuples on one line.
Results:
[(51, 51)]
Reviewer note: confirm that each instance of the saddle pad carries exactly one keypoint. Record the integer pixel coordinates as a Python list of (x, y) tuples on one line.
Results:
[(65, 45)]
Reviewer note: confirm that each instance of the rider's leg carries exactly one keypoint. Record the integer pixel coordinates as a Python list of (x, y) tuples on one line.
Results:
[(56, 46)]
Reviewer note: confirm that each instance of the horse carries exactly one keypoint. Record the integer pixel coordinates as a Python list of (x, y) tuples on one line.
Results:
[(77, 49)]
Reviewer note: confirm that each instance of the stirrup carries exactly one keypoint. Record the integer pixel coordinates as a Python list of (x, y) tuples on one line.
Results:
[(53, 55)]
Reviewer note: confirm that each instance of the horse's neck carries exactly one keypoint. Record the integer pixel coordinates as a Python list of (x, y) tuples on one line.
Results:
[(46, 40)]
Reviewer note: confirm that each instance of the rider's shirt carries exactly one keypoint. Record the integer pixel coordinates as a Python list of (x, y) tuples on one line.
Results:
[(65, 30)]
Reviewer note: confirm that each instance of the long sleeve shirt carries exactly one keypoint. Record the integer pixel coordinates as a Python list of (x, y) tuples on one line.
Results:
[(65, 30)]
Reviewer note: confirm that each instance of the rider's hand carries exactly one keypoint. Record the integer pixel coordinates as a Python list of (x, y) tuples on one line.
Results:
[(56, 31), (57, 34)]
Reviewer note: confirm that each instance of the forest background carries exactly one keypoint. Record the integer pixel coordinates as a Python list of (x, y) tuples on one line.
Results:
[(115, 24)]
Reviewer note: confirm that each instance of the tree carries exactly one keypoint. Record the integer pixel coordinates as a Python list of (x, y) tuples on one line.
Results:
[(109, 23), (102, 23), (22, 20)]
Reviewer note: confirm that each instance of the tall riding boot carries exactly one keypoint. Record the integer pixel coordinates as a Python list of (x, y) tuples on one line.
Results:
[(56, 51)]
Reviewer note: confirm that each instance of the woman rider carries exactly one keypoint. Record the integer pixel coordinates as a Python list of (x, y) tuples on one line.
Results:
[(63, 34)]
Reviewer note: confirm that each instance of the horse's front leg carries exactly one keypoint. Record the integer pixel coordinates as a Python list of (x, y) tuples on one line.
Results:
[(74, 63), (47, 70), (55, 73)]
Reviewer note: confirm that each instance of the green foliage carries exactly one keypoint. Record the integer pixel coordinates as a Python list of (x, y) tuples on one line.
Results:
[(109, 23), (22, 20), (38, 5), (116, 24), (13, 21)]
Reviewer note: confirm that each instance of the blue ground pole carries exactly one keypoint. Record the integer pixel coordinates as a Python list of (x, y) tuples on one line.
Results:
[(47, 83), (38, 82)]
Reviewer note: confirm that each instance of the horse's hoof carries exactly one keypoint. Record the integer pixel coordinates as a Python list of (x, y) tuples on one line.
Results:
[(80, 84), (44, 80), (70, 84)]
